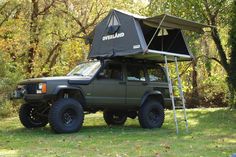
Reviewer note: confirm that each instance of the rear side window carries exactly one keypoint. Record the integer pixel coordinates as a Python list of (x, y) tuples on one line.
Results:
[(156, 74), (135, 73)]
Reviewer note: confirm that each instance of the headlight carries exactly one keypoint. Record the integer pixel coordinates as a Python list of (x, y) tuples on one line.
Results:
[(42, 88)]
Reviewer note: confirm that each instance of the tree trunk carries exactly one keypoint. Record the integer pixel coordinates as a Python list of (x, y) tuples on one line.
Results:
[(195, 93), (228, 67), (34, 40), (232, 96), (232, 76), (233, 106), (217, 41), (207, 60)]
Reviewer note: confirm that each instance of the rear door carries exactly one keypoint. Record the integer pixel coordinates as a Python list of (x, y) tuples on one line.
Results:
[(109, 87), (136, 83), (157, 80)]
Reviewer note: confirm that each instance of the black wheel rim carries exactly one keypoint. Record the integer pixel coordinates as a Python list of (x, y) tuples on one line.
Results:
[(34, 116), (154, 116), (68, 117)]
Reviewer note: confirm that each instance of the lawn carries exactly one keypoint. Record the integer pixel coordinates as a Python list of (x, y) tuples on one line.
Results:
[(212, 134)]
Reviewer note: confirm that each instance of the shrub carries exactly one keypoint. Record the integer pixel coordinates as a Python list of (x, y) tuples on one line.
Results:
[(10, 75), (212, 93), (6, 108)]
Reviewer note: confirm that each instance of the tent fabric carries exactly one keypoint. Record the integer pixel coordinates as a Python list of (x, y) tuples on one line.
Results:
[(127, 40), (128, 35), (171, 22)]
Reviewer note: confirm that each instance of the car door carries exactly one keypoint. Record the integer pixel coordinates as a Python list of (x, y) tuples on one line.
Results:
[(136, 83), (158, 81), (109, 87)]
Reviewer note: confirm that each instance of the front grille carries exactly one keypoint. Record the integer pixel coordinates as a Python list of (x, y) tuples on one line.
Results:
[(31, 88)]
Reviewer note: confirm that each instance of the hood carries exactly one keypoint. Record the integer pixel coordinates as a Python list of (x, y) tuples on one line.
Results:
[(57, 78)]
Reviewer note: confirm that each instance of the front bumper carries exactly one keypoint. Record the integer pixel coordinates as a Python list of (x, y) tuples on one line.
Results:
[(40, 98), (43, 98)]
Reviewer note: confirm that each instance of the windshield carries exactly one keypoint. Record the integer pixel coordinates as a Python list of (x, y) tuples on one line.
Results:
[(85, 69)]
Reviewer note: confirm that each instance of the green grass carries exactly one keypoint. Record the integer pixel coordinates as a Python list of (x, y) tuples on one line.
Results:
[(212, 133)]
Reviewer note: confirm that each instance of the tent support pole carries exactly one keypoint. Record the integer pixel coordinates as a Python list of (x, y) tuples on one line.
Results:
[(156, 31)]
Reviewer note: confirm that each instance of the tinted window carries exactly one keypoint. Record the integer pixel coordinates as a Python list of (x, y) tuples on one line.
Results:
[(156, 74), (135, 73), (111, 71)]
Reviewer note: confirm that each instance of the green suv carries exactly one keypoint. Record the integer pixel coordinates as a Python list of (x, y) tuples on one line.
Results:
[(121, 88)]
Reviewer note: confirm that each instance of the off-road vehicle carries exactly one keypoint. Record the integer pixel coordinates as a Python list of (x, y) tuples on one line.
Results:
[(120, 88), (126, 81)]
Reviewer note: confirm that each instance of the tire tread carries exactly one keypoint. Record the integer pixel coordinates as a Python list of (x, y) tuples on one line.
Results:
[(53, 115), (142, 115)]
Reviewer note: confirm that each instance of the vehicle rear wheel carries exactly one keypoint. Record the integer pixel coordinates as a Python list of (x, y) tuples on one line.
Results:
[(114, 117), (31, 116), (151, 115), (66, 116)]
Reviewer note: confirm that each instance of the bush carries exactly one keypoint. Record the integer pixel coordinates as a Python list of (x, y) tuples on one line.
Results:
[(10, 75), (212, 93), (7, 109)]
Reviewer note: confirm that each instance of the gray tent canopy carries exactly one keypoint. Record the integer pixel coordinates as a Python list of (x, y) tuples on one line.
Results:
[(124, 34)]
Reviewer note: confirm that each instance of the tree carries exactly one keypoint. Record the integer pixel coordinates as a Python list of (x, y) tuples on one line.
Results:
[(7, 9), (35, 29), (79, 18), (232, 77), (213, 12)]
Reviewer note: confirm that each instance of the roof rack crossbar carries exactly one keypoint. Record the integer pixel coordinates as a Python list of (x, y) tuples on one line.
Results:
[(168, 53)]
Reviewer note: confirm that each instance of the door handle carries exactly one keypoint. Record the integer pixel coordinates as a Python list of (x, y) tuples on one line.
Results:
[(122, 82)]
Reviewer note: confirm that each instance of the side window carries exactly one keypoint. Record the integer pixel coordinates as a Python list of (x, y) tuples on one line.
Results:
[(112, 72), (135, 73), (156, 74)]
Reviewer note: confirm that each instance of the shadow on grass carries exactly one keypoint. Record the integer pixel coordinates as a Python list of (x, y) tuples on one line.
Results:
[(89, 130), (200, 121)]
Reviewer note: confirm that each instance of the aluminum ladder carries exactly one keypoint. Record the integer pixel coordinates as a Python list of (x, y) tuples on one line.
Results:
[(173, 99)]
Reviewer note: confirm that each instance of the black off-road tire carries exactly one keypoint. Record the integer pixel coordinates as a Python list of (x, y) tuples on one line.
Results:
[(66, 116), (30, 118), (151, 115), (114, 117)]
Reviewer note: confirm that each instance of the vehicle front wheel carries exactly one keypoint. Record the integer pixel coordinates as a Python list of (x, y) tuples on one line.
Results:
[(66, 116), (151, 115), (114, 118), (32, 116)]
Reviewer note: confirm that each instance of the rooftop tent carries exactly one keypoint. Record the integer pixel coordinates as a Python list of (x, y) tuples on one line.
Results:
[(133, 36), (118, 34)]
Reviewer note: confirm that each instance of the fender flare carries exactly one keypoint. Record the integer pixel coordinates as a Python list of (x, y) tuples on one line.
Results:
[(64, 87), (157, 94)]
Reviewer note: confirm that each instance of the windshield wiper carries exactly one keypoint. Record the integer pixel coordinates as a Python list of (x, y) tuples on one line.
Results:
[(78, 74)]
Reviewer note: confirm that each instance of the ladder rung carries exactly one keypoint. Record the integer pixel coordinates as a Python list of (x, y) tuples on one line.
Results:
[(175, 88), (179, 107), (177, 98), (181, 120)]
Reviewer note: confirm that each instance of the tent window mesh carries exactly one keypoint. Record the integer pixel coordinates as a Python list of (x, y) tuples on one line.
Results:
[(168, 40)]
